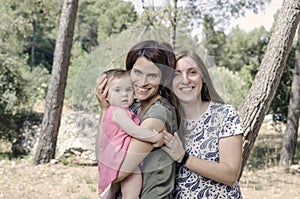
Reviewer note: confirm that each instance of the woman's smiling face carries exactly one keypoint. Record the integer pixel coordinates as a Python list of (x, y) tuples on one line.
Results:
[(187, 82), (146, 78)]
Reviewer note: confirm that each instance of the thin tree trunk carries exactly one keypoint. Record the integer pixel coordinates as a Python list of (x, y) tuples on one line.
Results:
[(173, 20), (55, 95), (267, 79), (34, 25), (289, 143)]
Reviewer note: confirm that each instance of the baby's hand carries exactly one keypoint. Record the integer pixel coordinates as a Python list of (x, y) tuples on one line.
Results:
[(159, 140)]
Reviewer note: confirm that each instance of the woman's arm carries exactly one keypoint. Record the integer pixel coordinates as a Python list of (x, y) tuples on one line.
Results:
[(99, 134), (122, 118), (138, 150), (101, 93), (226, 171)]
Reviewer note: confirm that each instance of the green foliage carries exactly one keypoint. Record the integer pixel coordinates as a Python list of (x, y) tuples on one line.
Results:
[(99, 19), (267, 147), (6, 156), (242, 53), (78, 56), (222, 11), (43, 51), (264, 156), (235, 87), (244, 49), (116, 19), (13, 28), (18, 86), (214, 41), (42, 17), (279, 106), (12, 84), (237, 55), (37, 84), (13, 96)]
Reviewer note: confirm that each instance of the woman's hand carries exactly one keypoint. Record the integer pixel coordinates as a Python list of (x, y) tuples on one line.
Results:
[(101, 91), (174, 146)]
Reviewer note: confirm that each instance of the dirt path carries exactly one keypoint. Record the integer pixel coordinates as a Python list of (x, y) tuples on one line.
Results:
[(21, 179)]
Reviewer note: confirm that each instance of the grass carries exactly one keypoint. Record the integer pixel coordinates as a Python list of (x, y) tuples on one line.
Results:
[(6, 156), (73, 160), (267, 148), (88, 179)]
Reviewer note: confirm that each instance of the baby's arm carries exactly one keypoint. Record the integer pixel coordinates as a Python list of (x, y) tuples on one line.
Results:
[(122, 118)]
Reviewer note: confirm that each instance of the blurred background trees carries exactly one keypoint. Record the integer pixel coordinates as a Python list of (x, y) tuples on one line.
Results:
[(28, 32)]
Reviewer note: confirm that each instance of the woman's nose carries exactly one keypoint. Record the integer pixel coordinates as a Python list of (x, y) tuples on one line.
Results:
[(144, 80), (185, 79)]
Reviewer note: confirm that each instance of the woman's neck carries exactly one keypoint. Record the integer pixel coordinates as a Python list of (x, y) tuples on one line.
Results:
[(193, 111), (146, 103)]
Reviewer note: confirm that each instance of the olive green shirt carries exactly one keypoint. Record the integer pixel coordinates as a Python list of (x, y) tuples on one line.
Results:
[(158, 169)]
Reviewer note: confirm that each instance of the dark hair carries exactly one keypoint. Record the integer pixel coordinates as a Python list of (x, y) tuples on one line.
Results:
[(161, 54)]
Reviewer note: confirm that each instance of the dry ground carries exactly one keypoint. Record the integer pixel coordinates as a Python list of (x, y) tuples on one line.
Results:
[(20, 179)]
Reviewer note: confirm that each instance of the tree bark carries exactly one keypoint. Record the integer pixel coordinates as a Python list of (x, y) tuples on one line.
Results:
[(56, 91), (289, 143), (34, 25), (266, 81), (173, 20)]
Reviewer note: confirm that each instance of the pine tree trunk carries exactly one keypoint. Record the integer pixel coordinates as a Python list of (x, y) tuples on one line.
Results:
[(289, 143), (267, 79), (173, 20), (34, 26), (55, 95)]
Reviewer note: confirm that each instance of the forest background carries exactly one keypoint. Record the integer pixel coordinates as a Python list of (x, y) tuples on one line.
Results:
[(28, 32)]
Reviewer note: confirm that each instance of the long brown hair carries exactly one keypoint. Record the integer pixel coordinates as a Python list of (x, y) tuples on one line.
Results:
[(208, 91), (162, 55)]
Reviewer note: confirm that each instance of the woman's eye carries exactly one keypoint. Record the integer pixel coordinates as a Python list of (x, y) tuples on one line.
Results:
[(153, 76), (137, 72), (117, 90), (193, 72)]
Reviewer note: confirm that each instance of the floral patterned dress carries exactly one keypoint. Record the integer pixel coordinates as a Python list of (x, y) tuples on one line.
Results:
[(202, 137)]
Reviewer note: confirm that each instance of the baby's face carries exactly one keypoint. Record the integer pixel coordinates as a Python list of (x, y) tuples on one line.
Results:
[(120, 92)]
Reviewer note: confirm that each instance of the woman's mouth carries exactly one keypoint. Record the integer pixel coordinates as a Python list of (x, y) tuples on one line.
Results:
[(142, 89), (186, 89)]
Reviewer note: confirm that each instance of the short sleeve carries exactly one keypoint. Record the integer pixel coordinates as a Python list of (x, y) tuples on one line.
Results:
[(231, 124), (157, 111)]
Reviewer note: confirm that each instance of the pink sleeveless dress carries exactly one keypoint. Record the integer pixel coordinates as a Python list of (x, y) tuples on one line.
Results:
[(113, 147)]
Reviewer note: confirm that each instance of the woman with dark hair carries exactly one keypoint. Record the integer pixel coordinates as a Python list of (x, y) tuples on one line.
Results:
[(151, 65), (210, 153)]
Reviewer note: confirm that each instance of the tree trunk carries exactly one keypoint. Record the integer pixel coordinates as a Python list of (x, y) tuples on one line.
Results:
[(56, 91), (289, 143), (34, 25), (173, 20), (267, 79)]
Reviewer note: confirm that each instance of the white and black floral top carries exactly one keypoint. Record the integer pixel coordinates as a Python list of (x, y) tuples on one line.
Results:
[(202, 137)]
